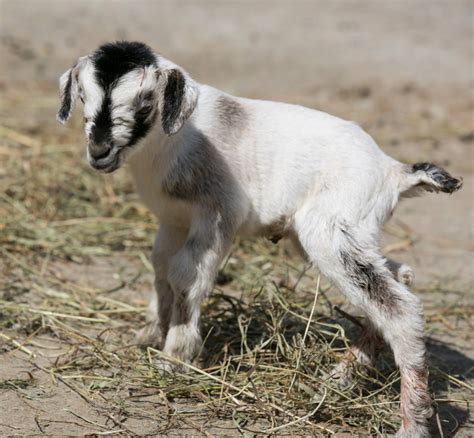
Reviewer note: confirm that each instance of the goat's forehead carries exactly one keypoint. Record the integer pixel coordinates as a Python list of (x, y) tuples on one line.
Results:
[(140, 80), (123, 92)]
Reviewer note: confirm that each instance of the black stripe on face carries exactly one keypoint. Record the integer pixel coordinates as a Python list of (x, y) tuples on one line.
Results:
[(102, 128), (142, 125)]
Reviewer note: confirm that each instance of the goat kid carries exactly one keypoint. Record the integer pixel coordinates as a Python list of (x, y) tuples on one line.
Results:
[(211, 166)]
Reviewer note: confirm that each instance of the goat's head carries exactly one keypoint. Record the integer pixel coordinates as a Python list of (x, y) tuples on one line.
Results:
[(125, 87)]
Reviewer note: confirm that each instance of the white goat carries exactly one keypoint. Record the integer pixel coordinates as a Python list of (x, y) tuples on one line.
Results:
[(211, 166)]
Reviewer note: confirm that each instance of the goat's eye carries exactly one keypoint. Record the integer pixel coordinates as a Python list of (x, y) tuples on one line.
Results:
[(86, 119), (145, 109)]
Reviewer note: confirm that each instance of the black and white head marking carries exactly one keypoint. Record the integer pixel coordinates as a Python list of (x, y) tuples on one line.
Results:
[(115, 64), (124, 87)]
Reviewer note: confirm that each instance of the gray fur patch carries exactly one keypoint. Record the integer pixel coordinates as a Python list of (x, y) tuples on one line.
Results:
[(182, 308), (231, 114), (198, 173)]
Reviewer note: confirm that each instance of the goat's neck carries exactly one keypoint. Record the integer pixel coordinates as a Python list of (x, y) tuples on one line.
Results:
[(156, 151)]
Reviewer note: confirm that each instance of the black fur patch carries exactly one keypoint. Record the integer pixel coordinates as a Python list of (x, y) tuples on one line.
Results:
[(365, 276), (65, 109), (173, 100), (113, 60), (441, 178), (101, 131), (141, 127), (144, 118)]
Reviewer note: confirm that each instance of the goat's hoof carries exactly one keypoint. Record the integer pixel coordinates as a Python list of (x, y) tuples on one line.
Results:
[(405, 275), (165, 367), (343, 374), (413, 431), (150, 336)]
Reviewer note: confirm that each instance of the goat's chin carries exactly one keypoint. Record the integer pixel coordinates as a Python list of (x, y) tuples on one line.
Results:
[(110, 169), (115, 165)]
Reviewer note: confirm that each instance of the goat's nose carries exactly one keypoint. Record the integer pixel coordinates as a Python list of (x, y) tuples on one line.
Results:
[(99, 151)]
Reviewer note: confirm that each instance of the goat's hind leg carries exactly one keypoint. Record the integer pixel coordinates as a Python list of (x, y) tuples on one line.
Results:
[(360, 356), (348, 258), (366, 348)]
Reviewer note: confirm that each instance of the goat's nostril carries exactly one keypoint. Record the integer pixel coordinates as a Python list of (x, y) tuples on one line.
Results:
[(99, 151)]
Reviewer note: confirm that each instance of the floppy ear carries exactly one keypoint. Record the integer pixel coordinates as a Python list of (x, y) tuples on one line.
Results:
[(68, 89), (177, 98)]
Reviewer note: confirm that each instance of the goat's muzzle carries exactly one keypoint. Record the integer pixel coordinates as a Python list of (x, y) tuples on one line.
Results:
[(99, 151), (104, 157)]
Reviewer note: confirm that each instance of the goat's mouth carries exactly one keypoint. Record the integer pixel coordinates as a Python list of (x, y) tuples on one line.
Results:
[(107, 164)]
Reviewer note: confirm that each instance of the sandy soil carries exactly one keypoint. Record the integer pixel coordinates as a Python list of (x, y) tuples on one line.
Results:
[(403, 70)]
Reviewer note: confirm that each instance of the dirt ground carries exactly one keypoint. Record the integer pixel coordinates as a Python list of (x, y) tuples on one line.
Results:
[(403, 70)]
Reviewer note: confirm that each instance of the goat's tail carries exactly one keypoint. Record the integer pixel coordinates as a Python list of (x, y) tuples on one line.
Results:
[(428, 177)]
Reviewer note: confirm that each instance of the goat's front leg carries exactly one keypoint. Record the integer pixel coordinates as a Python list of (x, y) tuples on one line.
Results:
[(167, 243), (191, 274)]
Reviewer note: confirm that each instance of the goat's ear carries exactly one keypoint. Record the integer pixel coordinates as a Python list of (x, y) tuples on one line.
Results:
[(178, 96), (68, 90)]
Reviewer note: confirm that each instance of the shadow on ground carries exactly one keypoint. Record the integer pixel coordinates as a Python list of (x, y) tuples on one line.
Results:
[(239, 327), (446, 362)]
